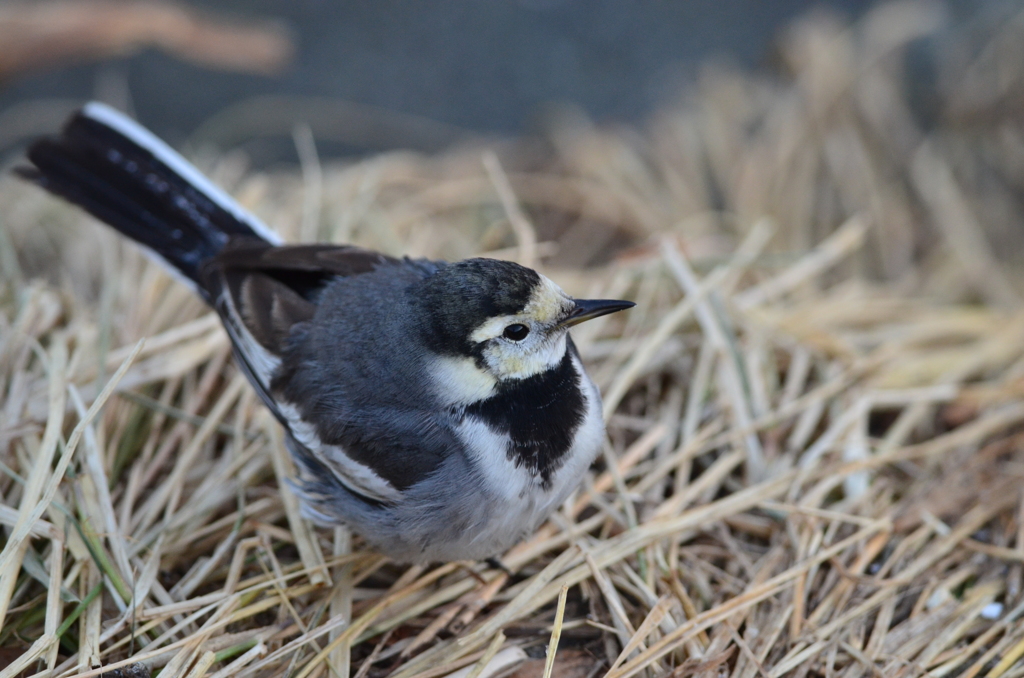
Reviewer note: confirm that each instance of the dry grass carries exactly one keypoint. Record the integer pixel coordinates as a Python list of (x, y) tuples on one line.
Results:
[(816, 426)]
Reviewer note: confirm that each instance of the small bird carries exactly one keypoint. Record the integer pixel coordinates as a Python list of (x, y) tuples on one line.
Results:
[(440, 410)]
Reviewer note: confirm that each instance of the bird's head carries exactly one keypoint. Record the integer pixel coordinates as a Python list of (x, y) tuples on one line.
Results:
[(491, 321)]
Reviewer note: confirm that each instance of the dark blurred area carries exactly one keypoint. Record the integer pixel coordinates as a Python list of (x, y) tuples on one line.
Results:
[(373, 76)]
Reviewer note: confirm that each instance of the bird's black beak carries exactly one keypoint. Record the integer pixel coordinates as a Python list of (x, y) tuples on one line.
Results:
[(588, 309)]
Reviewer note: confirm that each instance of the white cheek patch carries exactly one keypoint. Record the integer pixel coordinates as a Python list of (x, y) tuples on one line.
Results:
[(459, 381), (515, 361)]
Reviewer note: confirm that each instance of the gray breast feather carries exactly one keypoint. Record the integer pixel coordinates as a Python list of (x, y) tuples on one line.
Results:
[(448, 513)]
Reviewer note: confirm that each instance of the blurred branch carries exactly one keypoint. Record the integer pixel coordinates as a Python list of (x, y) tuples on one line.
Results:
[(37, 35)]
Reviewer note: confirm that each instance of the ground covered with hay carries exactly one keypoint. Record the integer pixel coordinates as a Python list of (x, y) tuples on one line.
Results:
[(815, 458)]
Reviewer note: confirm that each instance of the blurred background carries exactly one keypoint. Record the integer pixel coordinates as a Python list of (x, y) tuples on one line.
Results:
[(616, 121), (376, 76)]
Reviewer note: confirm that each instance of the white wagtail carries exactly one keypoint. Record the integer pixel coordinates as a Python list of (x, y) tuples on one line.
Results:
[(438, 409)]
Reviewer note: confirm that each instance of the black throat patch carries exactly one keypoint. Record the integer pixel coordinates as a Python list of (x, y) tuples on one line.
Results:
[(540, 414)]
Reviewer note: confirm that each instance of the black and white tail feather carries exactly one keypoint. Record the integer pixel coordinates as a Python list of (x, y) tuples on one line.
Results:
[(125, 176)]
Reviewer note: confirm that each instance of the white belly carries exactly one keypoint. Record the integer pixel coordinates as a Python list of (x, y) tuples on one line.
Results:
[(520, 501)]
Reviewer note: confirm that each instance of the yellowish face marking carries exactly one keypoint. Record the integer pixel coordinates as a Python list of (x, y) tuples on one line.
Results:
[(542, 349)]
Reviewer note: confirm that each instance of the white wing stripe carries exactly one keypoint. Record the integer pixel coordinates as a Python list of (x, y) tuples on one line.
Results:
[(357, 477), (263, 362)]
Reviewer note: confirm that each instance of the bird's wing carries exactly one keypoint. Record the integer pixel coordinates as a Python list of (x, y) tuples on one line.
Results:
[(261, 292), (122, 174)]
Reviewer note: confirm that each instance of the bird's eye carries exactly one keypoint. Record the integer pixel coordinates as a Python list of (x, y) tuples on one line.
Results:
[(516, 332)]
